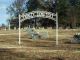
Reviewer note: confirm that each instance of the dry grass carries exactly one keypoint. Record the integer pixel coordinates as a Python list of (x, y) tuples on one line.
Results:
[(41, 49), (65, 37), (27, 54)]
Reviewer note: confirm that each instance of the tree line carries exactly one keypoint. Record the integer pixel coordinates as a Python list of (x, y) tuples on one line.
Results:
[(68, 12)]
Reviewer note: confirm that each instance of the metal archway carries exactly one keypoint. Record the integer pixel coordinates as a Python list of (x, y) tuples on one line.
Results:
[(43, 14)]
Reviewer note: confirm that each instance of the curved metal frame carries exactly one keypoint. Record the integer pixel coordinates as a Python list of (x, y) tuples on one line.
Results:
[(43, 14)]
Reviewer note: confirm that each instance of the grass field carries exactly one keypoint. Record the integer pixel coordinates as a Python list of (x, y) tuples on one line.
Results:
[(33, 54), (10, 39), (41, 49)]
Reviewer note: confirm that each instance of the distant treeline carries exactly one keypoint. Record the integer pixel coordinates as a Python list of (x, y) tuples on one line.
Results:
[(68, 13)]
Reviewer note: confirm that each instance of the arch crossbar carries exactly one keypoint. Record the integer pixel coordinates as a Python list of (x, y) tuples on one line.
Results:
[(42, 14), (34, 14)]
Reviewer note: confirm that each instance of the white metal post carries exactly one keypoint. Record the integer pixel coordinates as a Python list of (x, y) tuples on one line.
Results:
[(57, 29), (19, 31)]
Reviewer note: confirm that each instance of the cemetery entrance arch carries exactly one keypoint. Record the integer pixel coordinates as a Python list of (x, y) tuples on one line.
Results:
[(34, 14)]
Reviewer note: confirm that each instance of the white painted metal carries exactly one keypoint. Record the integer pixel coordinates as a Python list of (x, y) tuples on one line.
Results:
[(57, 29), (33, 14), (19, 31), (43, 14)]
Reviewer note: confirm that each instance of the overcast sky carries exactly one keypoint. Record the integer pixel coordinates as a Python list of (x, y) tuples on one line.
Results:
[(3, 5)]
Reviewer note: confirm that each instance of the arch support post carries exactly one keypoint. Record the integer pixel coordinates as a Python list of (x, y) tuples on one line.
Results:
[(57, 43), (19, 30)]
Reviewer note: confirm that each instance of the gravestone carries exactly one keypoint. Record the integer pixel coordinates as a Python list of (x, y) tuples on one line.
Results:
[(36, 35), (33, 34), (44, 35), (76, 38)]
